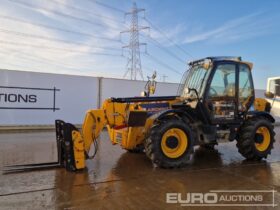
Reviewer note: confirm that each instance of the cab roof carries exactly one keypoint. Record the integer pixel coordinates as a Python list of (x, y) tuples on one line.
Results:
[(221, 58)]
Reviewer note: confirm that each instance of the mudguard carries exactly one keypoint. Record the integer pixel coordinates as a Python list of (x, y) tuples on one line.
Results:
[(178, 112), (259, 114)]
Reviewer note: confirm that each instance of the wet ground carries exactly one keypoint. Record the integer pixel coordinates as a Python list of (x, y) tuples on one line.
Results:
[(117, 179)]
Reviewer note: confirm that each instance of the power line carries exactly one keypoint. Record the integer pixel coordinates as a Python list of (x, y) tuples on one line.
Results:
[(56, 28), (54, 39), (60, 14), (107, 6), (148, 69), (43, 59), (54, 48), (29, 57), (75, 32), (145, 68), (87, 11), (159, 45), (50, 61), (162, 63), (167, 37)]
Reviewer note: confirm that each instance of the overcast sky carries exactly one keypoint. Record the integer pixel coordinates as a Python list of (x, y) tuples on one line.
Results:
[(83, 37)]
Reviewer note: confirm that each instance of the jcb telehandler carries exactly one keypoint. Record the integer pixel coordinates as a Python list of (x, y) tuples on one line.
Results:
[(216, 102)]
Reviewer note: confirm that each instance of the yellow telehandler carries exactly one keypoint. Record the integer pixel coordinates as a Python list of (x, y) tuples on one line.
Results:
[(215, 102)]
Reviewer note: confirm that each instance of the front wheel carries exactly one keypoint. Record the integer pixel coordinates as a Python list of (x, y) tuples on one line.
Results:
[(170, 144), (256, 138)]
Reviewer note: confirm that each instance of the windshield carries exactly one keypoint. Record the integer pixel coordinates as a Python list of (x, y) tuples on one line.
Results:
[(194, 78)]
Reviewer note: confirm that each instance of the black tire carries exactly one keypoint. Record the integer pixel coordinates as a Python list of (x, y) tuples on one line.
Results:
[(247, 138), (138, 149), (153, 147)]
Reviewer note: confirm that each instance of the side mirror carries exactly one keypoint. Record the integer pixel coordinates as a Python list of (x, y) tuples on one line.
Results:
[(269, 95)]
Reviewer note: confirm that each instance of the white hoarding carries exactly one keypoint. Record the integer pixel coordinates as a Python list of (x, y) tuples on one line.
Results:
[(29, 98), (39, 98), (128, 88)]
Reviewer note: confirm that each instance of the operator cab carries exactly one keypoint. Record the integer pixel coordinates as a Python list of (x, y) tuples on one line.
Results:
[(219, 88)]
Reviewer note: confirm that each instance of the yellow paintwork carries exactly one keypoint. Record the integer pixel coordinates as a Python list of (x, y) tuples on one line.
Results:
[(179, 150), (152, 90), (264, 131), (113, 134), (247, 63), (79, 150), (260, 103), (93, 124), (116, 113), (114, 116)]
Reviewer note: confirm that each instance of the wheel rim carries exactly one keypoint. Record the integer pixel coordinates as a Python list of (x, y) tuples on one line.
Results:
[(264, 144), (174, 143)]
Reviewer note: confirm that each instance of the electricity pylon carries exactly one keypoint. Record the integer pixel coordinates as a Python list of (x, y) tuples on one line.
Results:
[(134, 67)]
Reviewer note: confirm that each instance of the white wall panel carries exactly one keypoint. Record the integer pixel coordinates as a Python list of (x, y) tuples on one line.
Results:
[(167, 89), (76, 95), (129, 88), (259, 93)]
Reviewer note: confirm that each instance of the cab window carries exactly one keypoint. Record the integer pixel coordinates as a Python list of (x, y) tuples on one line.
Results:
[(221, 100), (246, 90), (223, 82)]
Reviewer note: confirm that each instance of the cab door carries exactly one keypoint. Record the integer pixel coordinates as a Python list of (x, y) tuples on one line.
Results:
[(221, 97), (246, 94)]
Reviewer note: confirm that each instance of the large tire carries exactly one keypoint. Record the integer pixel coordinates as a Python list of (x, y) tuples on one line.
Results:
[(170, 144), (256, 138)]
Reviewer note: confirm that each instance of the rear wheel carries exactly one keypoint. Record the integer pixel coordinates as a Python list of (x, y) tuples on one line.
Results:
[(256, 138), (170, 144)]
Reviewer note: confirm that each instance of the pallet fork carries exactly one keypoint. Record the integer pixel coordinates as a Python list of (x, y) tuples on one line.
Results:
[(65, 152)]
